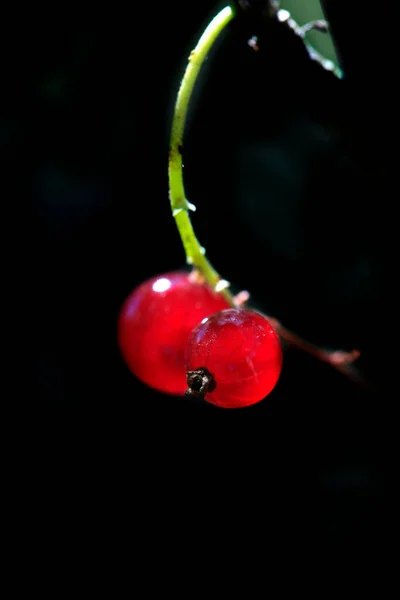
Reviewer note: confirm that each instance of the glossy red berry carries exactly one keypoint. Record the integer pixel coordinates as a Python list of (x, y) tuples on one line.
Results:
[(155, 324), (234, 358)]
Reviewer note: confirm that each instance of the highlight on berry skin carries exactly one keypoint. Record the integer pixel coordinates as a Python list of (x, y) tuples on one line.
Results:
[(234, 358)]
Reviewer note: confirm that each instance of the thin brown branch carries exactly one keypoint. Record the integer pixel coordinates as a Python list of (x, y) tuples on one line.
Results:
[(338, 359)]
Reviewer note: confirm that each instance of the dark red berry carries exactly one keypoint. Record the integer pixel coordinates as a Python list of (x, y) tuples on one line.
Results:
[(155, 323), (234, 358)]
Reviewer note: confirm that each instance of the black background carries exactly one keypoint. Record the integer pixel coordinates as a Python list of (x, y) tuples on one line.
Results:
[(292, 174)]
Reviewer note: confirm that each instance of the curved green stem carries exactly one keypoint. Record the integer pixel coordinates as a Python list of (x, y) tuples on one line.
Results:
[(195, 254)]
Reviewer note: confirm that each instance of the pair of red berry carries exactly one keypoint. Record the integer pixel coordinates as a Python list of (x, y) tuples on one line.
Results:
[(173, 324)]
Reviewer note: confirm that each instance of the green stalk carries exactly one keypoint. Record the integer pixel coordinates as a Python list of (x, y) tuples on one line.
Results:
[(195, 253)]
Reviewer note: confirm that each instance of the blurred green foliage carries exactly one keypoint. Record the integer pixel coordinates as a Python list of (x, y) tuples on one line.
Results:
[(304, 11)]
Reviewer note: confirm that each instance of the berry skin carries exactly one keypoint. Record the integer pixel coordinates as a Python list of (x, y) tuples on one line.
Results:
[(234, 358), (155, 324)]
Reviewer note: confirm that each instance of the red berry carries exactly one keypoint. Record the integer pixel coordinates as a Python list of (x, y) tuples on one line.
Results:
[(155, 324), (234, 358)]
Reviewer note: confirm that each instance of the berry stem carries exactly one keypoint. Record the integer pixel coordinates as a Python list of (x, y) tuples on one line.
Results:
[(195, 254), (338, 359)]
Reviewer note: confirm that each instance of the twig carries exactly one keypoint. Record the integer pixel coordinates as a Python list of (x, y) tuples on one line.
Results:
[(338, 359), (285, 17)]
